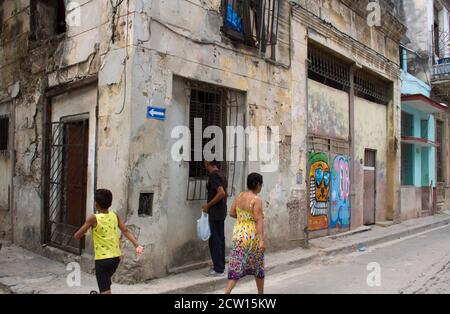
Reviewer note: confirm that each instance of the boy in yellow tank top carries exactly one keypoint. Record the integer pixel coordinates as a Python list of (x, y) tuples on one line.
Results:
[(105, 232)]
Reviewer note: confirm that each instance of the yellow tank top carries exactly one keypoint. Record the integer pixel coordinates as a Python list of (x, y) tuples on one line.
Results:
[(106, 237)]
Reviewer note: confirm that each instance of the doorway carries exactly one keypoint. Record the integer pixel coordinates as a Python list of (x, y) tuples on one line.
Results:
[(369, 187), (68, 182)]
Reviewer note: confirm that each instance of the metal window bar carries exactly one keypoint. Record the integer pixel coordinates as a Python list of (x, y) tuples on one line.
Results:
[(370, 158), (369, 87), (59, 232), (439, 140), (328, 69), (407, 124), (253, 22), (216, 107), (4, 134), (328, 145)]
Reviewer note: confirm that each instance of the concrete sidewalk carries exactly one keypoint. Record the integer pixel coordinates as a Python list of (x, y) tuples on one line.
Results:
[(25, 272)]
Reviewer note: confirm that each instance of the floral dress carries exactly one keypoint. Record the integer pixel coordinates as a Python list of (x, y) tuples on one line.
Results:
[(246, 258)]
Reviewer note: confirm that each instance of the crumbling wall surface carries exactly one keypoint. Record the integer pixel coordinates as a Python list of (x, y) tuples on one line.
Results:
[(417, 16), (328, 111), (371, 123), (352, 17), (183, 39), (30, 66)]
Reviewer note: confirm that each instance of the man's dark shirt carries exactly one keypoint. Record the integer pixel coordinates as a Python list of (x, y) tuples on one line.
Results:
[(215, 180)]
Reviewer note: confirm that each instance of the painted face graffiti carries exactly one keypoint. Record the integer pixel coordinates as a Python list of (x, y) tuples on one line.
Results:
[(319, 176), (319, 190)]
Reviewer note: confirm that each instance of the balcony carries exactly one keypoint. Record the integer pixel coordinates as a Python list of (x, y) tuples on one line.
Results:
[(442, 71), (252, 22)]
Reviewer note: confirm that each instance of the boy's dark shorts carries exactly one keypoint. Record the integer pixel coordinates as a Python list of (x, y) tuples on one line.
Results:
[(104, 270)]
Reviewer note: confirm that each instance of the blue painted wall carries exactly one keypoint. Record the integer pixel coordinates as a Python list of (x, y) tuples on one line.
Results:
[(424, 159)]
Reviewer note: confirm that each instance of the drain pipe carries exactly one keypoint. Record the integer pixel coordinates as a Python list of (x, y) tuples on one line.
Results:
[(12, 156)]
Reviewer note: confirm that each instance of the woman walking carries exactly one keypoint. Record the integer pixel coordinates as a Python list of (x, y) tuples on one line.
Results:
[(247, 251)]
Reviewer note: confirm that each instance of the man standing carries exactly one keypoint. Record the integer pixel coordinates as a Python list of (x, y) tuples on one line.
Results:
[(216, 208)]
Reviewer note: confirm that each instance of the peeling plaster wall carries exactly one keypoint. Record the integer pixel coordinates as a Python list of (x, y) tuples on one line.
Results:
[(142, 55), (84, 51), (328, 111), (418, 17), (411, 202), (164, 33), (372, 128)]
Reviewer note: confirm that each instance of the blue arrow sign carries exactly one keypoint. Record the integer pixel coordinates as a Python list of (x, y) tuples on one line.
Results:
[(156, 113)]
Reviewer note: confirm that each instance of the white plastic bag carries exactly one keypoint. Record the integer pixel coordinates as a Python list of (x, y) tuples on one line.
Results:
[(203, 230)]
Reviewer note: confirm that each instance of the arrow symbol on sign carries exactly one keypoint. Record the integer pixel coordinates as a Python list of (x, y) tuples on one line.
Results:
[(153, 113)]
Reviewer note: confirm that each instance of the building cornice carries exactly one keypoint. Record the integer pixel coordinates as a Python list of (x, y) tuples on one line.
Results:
[(378, 62), (391, 25)]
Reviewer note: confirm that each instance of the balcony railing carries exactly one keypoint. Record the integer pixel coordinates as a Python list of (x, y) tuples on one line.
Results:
[(441, 71)]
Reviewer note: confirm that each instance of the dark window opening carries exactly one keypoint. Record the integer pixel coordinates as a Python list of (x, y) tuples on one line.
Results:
[(48, 18), (407, 164), (439, 150), (436, 32), (327, 69), (4, 133), (407, 124), (61, 26), (218, 107), (371, 88), (145, 205), (424, 129), (370, 158), (208, 106), (252, 22)]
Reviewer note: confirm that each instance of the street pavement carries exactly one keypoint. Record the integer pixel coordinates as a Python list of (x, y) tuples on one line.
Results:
[(417, 264), (413, 257)]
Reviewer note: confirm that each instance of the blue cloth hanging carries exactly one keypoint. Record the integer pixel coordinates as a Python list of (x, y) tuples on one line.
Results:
[(234, 21)]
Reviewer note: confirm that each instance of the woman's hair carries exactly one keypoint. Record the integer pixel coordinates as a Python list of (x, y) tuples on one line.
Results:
[(103, 198), (253, 179)]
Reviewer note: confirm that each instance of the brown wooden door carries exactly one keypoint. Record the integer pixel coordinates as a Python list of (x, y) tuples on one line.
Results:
[(369, 188), (67, 173), (75, 164)]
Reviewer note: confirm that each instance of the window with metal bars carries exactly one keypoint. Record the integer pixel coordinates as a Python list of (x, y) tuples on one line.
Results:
[(370, 158), (252, 22), (371, 88), (327, 69), (407, 164), (210, 108), (219, 107), (407, 124), (439, 150), (4, 134)]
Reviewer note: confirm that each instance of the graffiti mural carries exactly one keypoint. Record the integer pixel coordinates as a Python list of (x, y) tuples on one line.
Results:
[(319, 178), (340, 193)]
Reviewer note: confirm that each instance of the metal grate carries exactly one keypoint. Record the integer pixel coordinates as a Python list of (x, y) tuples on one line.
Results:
[(328, 145), (407, 124), (216, 107), (407, 164), (4, 134), (439, 150), (68, 174), (253, 22), (370, 158), (371, 88), (145, 205), (328, 69)]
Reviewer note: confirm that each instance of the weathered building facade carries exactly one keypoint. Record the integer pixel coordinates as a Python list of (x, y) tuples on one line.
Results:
[(76, 96), (425, 52)]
